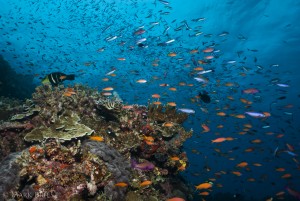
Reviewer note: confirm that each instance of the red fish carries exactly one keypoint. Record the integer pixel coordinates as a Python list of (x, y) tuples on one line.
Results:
[(205, 128)]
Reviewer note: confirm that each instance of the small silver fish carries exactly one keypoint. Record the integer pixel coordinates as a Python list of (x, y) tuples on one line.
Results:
[(282, 85), (111, 38), (170, 41), (291, 153), (200, 79), (255, 114), (205, 71), (275, 152), (186, 110), (141, 40), (110, 72)]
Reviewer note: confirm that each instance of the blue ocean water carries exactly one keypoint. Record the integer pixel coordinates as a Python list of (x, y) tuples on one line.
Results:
[(251, 45)]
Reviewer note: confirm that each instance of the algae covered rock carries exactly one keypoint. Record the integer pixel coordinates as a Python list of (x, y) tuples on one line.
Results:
[(66, 127), (133, 196)]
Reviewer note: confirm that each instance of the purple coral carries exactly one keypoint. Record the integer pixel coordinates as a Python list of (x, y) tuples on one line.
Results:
[(145, 166)]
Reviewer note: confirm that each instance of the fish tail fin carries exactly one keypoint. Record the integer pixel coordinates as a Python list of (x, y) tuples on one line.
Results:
[(70, 77)]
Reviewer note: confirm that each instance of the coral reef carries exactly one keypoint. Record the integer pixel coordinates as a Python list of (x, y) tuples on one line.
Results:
[(90, 146)]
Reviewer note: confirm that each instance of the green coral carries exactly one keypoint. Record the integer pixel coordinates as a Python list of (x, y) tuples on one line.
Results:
[(25, 115), (66, 127)]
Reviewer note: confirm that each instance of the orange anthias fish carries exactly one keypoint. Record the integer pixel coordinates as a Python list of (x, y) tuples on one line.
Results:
[(208, 50), (256, 141), (222, 114), (141, 81), (157, 103), (205, 193), (97, 138), (205, 185), (206, 128), (198, 68), (106, 93), (209, 57), (173, 104), (280, 169), (121, 59), (250, 91), (168, 124), (242, 164), (172, 54), (220, 139), (32, 149), (290, 147), (108, 89), (175, 158), (230, 138), (236, 173), (127, 107), (155, 96), (149, 138), (145, 183), (121, 184), (69, 92), (220, 126), (240, 116), (286, 176), (245, 101), (176, 199), (194, 51)]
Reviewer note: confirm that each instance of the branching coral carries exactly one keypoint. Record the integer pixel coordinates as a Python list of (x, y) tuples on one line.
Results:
[(109, 103)]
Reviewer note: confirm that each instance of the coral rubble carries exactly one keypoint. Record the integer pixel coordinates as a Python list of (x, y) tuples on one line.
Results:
[(85, 146)]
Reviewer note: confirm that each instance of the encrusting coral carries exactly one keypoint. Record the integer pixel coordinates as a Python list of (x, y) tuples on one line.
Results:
[(89, 146)]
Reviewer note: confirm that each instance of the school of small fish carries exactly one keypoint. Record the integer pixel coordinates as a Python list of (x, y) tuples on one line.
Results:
[(247, 134)]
